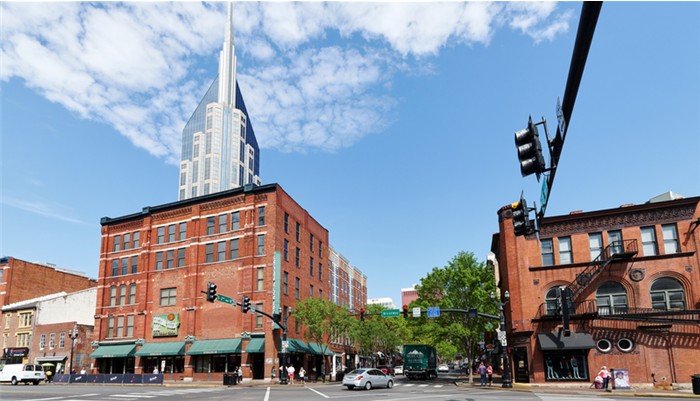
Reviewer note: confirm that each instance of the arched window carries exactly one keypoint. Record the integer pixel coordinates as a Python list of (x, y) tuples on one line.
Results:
[(667, 293), (550, 300), (611, 298)]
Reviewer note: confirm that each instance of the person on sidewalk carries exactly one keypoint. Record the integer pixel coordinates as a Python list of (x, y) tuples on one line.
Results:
[(290, 373), (489, 374), (272, 375), (302, 375), (240, 375), (482, 374), (606, 377)]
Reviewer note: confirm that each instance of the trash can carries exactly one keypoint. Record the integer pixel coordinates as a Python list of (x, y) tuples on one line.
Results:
[(229, 379), (696, 384)]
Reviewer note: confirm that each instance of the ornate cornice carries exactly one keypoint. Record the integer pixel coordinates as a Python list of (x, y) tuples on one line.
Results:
[(131, 226), (223, 203), (172, 213)]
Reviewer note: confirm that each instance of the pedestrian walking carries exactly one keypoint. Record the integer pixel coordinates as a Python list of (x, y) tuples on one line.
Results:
[(240, 375), (290, 373), (272, 379), (606, 377), (482, 374), (489, 373), (302, 375)]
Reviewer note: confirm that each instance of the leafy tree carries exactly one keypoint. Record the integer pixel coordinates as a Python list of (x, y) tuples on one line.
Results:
[(378, 334), (463, 284)]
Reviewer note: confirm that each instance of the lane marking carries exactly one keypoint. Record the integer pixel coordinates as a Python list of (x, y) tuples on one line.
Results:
[(267, 394), (318, 392), (59, 398)]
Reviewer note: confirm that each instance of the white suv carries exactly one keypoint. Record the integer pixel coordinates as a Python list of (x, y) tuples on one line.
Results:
[(18, 372)]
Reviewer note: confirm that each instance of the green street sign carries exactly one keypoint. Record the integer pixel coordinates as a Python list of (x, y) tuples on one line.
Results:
[(224, 299), (390, 313)]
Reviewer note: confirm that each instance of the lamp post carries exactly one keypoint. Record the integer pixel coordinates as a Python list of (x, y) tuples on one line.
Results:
[(72, 334), (283, 372), (507, 382)]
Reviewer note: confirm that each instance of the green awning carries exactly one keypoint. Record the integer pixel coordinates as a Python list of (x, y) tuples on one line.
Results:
[(162, 349), (297, 346), (206, 347), (114, 351), (318, 349), (255, 345)]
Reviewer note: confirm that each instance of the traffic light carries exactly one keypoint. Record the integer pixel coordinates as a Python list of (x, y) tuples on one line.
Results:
[(362, 314), (405, 311), (529, 150), (473, 313), (246, 304), (211, 292), (521, 218)]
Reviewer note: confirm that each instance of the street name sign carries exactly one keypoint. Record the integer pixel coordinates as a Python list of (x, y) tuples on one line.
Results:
[(434, 311), (390, 313), (224, 299)]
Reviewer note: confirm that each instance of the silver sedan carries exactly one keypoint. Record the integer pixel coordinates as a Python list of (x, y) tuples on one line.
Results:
[(367, 378)]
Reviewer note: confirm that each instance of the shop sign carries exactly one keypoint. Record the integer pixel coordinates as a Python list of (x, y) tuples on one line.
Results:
[(165, 325)]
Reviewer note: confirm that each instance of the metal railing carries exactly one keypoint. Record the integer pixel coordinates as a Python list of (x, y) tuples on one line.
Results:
[(616, 250)]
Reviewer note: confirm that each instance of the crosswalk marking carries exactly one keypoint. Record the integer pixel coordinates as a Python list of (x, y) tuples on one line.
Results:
[(570, 397), (422, 385)]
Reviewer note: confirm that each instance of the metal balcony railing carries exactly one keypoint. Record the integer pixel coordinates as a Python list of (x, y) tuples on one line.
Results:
[(615, 251)]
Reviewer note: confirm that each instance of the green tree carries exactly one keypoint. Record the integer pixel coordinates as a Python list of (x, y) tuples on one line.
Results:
[(323, 321), (463, 284), (378, 334)]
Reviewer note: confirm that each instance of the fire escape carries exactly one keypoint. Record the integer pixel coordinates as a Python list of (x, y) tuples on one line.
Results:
[(615, 252)]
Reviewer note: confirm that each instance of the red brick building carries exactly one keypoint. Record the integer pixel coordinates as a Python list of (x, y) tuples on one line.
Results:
[(634, 277), (151, 313)]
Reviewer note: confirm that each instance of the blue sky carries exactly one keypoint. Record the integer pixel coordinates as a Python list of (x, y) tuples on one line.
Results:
[(391, 123)]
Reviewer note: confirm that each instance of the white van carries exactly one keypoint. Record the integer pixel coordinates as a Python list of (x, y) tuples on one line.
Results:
[(18, 372)]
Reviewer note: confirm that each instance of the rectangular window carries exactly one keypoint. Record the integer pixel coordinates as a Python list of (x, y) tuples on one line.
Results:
[(286, 250), (261, 244), (261, 215), (595, 244), (122, 294), (137, 239), (547, 252), (320, 249), (113, 295), (161, 235), (311, 267), (311, 290), (181, 257), (670, 235), (120, 326), (209, 253), (565, 256), (25, 319), (221, 251), (130, 326), (127, 241), (134, 264), (125, 266), (615, 242), (168, 297), (285, 283), (320, 293), (132, 293), (296, 288), (234, 248), (236, 221), (171, 232), (42, 341), (311, 242), (159, 260), (110, 326), (115, 267), (260, 279), (258, 317), (211, 225), (648, 241), (286, 223), (117, 243), (52, 340), (183, 231), (297, 261), (170, 259), (62, 340), (298, 232), (223, 223), (320, 271)]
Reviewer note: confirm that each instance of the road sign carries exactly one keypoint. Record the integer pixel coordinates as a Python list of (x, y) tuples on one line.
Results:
[(416, 311), (285, 344), (390, 313), (502, 338), (560, 117), (543, 196), (434, 311), (224, 299)]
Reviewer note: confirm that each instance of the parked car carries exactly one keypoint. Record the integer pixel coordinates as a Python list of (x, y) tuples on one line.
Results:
[(25, 373), (451, 366), (443, 368), (398, 370), (367, 378), (386, 369)]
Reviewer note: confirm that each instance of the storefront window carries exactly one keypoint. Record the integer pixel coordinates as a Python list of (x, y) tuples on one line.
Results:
[(218, 362), (176, 363), (568, 365)]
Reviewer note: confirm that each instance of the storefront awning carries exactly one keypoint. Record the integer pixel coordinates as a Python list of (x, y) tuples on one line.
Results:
[(297, 346), (255, 345), (162, 349), (318, 349), (557, 341), (114, 351), (225, 346), (57, 358)]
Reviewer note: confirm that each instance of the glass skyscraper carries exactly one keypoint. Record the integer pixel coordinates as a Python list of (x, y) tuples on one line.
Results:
[(219, 149)]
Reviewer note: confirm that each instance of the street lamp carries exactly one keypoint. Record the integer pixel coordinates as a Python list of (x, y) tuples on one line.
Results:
[(283, 362), (507, 382), (72, 334)]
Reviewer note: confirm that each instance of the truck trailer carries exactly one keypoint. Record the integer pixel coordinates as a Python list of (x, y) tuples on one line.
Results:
[(419, 361)]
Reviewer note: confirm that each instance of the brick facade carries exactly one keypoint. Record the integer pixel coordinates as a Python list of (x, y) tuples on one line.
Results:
[(639, 309)]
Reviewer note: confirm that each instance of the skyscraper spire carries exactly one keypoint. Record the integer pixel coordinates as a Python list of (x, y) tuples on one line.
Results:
[(227, 64)]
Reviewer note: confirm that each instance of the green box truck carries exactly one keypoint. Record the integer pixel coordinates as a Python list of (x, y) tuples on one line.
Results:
[(419, 361)]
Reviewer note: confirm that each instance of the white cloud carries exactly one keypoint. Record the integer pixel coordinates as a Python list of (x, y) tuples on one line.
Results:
[(138, 66)]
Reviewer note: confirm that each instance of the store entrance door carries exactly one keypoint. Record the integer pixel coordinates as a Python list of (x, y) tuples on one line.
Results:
[(520, 366)]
